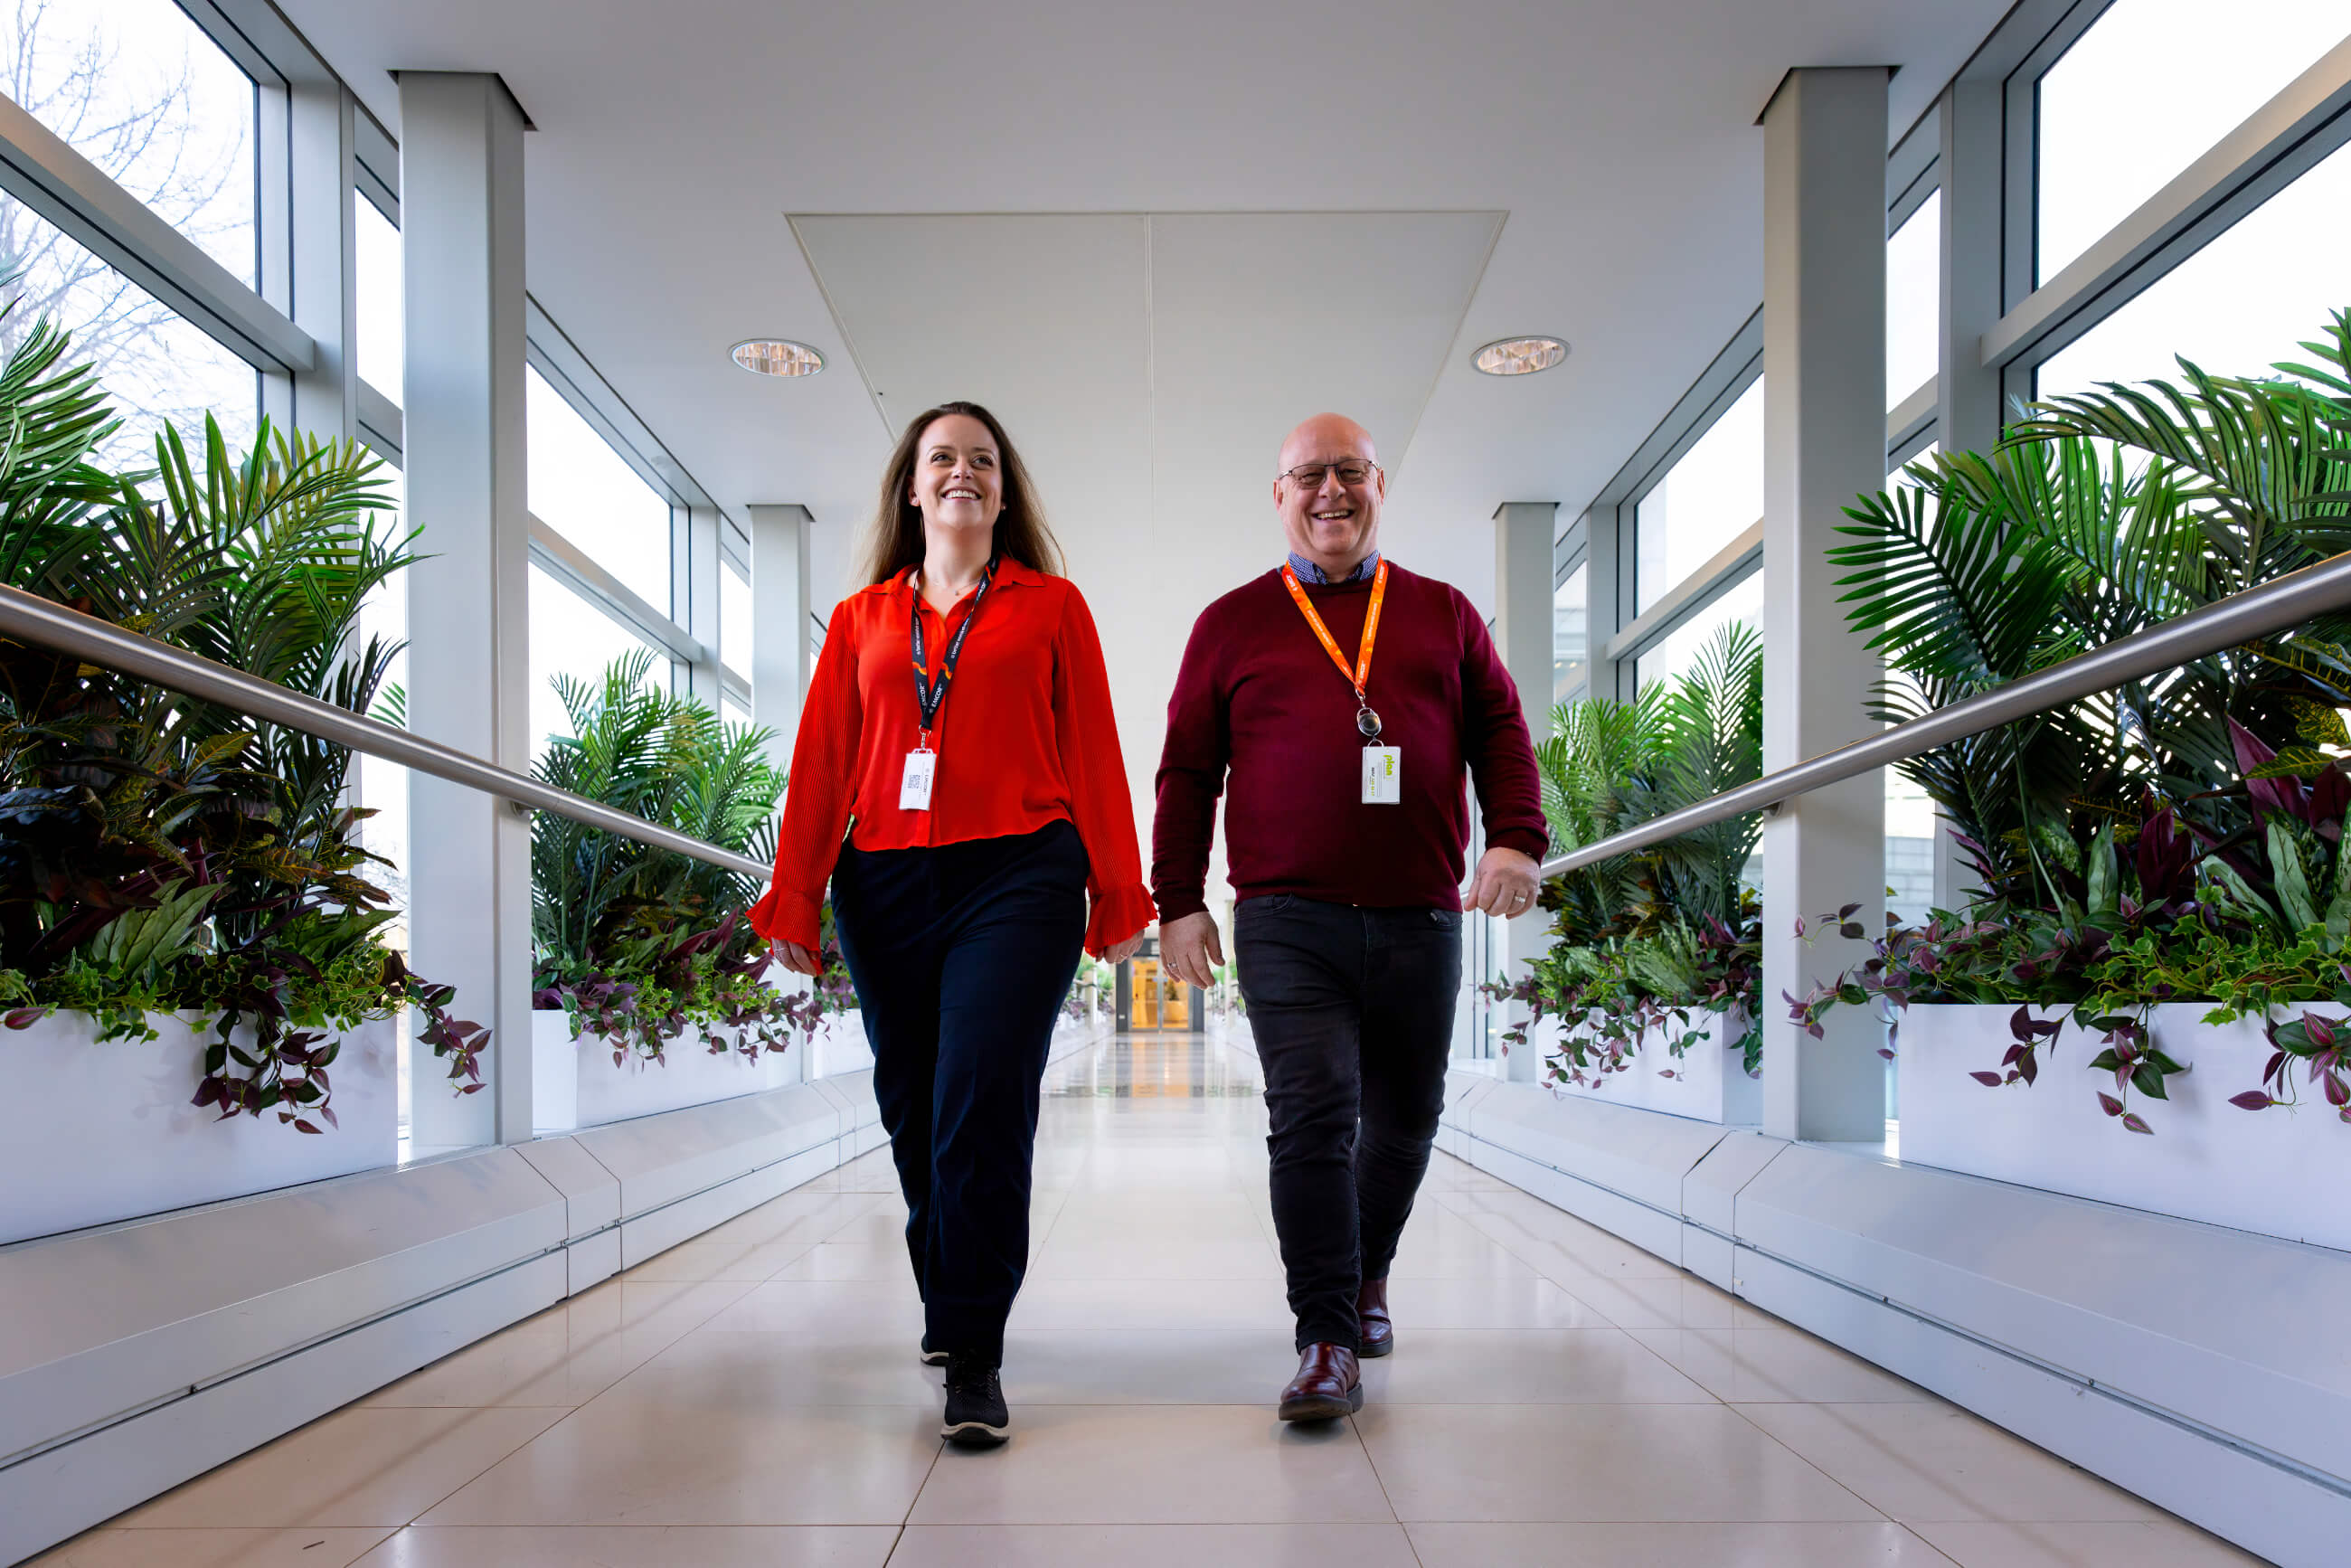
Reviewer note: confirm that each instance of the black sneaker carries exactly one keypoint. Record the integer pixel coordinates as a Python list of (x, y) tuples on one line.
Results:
[(933, 1357), (976, 1417)]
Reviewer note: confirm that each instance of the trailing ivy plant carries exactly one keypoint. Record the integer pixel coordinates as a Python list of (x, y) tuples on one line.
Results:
[(1646, 945), (640, 946), (2180, 839), (159, 854)]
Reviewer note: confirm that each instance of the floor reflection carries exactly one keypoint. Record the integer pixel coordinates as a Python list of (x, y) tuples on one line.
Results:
[(1154, 1066)]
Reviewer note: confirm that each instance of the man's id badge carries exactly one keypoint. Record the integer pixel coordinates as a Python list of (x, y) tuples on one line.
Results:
[(1383, 776), (915, 790)]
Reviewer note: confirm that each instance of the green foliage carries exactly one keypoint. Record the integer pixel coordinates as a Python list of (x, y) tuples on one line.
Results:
[(158, 852), (2180, 839), (1644, 941), (639, 944), (2100, 515)]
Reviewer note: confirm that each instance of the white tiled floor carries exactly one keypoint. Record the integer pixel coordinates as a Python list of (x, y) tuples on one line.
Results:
[(752, 1397)]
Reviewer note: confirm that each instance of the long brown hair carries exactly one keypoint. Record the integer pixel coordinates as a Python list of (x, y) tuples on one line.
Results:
[(894, 539)]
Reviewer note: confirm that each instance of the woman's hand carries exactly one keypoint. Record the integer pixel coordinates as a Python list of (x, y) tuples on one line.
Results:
[(1119, 952), (795, 957)]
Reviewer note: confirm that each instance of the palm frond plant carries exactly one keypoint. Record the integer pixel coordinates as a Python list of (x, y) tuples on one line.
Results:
[(1644, 944), (157, 853), (2178, 839), (639, 945)]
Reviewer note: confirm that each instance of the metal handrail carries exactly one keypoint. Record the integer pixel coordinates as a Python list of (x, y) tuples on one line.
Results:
[(2274, 606), (2284, 602), (32, 619)]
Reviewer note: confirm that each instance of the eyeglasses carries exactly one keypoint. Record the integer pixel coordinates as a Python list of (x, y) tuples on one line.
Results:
[(1309, 475)]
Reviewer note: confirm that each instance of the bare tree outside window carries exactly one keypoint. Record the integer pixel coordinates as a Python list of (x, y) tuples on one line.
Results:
[(138, 89)]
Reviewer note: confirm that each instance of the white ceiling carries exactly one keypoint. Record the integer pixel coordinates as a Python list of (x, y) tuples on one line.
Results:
[(1344, 198)]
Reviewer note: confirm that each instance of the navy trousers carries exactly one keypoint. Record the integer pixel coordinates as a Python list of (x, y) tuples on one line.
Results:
[(962, 955), (1353, 1014)]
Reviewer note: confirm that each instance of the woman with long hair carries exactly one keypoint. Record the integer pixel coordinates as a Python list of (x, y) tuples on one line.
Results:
[(959, 729)]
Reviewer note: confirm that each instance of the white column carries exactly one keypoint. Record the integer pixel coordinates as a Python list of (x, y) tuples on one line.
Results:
[(1523, 535), (1968, 411), (781, 660), (693, 595), (325, 282), (1824, 443), (461, 171)]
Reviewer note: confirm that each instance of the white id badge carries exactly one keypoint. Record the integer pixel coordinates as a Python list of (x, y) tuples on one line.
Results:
[(1383, 776), (915, 790)]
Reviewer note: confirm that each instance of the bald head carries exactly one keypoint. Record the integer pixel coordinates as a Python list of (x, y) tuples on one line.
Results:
[(1333, 523), (1326, 436)]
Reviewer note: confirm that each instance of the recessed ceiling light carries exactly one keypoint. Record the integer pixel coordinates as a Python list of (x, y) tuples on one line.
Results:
[(1520, 356), (778, 357)]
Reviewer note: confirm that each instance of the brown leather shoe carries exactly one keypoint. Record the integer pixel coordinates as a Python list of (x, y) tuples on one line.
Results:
[(1377, 1332), (1328, 1385)]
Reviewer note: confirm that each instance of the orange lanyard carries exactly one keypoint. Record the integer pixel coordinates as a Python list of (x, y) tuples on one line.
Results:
[(1363, 670)]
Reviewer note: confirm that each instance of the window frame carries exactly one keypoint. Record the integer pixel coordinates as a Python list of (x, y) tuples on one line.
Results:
[(2302, 125), (40, 170)]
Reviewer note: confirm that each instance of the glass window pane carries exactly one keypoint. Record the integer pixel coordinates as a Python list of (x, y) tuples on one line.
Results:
[(142, 92), (1705, 500), (1914, 299), (734, 629), (2146, 91), (383, 322), (2293, 243), (570, 636), (588, 492), (156, 366), (1569, 634), (732, 711), (1680, 649)]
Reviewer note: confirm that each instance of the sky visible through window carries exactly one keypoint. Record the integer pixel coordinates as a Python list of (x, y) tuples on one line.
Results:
[(1570, 631), (736, 628), (137, 89), (1914, 298), (382, 309), (570, 636), (156, 366), (585, 491), (1680, 649), (1714, 494), (2237, 307), (2148, 90)]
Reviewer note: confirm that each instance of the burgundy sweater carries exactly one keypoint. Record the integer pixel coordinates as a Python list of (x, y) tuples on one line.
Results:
[(1262, 712)]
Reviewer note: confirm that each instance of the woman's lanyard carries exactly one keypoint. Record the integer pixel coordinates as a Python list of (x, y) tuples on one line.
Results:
[(930, 697), (1383, 765)]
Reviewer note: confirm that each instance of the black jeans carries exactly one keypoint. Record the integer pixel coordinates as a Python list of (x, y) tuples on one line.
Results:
[(1353, 1012), (962, 955)]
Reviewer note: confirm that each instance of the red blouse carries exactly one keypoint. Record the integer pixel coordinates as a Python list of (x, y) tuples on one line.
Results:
[(1027, 737)]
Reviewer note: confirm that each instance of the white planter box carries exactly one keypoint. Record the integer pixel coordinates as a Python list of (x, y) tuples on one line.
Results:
[(2268, 1172), (574, 1083), (92, 1132), (840, 1046), (1710, 1081)]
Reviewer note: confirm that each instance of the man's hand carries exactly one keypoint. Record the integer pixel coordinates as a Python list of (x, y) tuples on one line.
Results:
[(795, 957), (1505, 884), (1189, 949)]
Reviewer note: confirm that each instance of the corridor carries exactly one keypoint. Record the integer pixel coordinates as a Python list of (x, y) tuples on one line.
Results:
[(753, 1397)]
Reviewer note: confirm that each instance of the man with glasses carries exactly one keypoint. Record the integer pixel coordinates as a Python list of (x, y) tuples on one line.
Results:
[(1339, 702)]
